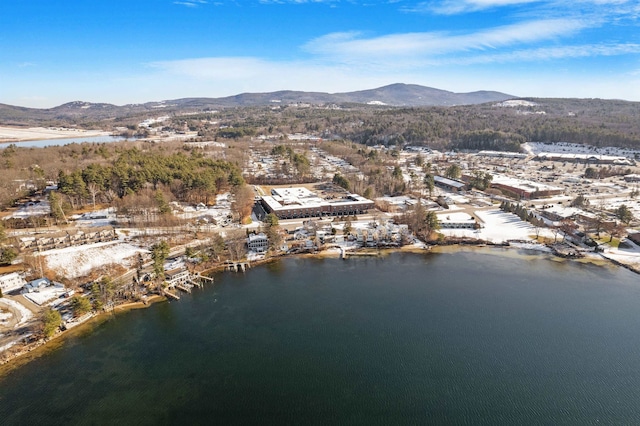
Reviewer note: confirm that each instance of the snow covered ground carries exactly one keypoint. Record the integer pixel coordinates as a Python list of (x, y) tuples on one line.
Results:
[(574, 148), (25, 314), (628, 256), (220, 212), (32, 133), (96, 218), (39, 208), (46, 295), (78, 261), (498, 227)]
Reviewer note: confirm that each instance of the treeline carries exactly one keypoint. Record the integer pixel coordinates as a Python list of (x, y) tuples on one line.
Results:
[(520, 211), (191, 178), (491, 140), (605, 172)]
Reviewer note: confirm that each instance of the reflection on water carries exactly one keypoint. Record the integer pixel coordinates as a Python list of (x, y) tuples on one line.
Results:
[(468, 338)]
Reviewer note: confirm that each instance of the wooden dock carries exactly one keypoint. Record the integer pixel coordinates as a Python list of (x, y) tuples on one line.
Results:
[(360, 254), (186, 287), (170, 295)]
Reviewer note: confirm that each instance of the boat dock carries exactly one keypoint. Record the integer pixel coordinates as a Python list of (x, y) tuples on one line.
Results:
[(170, 295), (186, 287), (186, 281), (236, 266), (348, 254)]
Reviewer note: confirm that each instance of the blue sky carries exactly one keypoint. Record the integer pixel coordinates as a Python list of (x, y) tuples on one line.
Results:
[(131, 51)]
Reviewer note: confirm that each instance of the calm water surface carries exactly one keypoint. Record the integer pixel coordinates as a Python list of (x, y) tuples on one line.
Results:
[(465, 338), (41, 143)]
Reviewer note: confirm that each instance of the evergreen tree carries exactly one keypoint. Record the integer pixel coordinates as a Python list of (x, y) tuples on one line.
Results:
[(624, 214), (159, 254), (51, 321)]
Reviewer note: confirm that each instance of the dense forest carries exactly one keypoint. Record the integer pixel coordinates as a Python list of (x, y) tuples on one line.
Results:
[(102, 173), (495, 126), (475, 127), (192, 178)]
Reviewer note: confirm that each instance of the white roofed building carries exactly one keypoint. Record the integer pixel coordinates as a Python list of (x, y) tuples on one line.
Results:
[(525, 189), (299, 202), (12, 281)]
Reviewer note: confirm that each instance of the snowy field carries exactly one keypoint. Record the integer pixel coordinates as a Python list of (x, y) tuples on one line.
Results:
[(46, 295), (97, 218), (78, 261), (498, 227), (612, 204), (21, 134), (535, 148)]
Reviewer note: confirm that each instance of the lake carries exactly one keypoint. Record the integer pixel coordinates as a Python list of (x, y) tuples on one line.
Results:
[(41, 143), (473, 337)]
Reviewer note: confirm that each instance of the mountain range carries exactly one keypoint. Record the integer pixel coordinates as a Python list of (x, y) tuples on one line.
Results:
[(408, 95)]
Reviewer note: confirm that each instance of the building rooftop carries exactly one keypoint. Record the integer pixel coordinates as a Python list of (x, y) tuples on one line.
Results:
[(449, 182), (523, 184), (284, 198)]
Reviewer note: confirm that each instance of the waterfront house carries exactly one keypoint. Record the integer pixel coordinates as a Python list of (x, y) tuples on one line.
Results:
[(258, 243), (178, 276)]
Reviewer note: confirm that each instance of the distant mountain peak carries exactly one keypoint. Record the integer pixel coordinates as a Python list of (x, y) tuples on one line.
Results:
[(396, 94)]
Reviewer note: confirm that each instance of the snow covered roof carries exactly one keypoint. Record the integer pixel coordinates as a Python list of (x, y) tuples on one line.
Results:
[(523, 184)]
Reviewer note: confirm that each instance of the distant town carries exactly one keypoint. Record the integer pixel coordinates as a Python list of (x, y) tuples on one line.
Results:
[(93, 227)]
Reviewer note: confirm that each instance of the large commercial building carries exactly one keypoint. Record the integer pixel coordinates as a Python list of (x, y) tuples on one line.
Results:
[(585, 158), (525, 189), (299, 202), (502, 154)]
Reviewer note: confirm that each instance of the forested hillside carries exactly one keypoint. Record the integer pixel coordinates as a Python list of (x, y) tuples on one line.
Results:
[(488, 126)]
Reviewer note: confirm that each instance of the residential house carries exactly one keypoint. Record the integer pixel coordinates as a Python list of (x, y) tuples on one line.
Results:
[(12, 281), (258, 243)]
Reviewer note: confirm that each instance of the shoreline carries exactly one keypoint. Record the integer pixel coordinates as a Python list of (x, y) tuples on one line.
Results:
[(42, 347), (42, 133)]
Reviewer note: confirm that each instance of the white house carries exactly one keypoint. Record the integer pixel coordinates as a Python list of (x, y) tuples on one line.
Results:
[(258, 243), (12, 281)]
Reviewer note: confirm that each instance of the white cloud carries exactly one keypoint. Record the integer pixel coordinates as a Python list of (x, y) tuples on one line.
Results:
[(190, 3), (548, 54), (296, 1), (450, 7), (353, 46)]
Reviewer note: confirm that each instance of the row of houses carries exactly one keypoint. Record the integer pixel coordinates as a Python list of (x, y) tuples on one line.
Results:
[(67, 240), (308, 237), (388, 234)]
